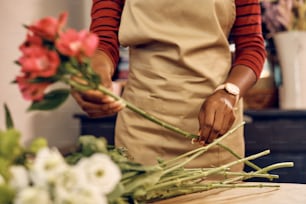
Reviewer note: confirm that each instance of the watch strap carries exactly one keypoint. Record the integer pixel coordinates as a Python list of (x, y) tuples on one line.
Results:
[(235, 93)]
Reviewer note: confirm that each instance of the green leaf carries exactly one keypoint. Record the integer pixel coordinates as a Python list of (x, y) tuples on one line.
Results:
[(51, 100), (7, 194), (8, 118), (116, 193), (4, 168), (10, 147), (91, 144), (37, 144), (143, 181), (43, 79)]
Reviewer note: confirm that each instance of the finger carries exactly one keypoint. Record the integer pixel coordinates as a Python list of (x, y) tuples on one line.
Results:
[(95, 111), (76, 95), (229, 117), (106, 107), (93, 96), (217, 125), (206, 126)]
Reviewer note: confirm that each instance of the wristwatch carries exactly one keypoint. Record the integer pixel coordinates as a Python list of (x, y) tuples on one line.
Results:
[(231, 89)]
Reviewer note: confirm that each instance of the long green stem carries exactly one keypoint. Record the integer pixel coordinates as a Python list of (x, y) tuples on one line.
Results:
[(263, 170), (211, 171), (147, 115), (250, 164), (204, 148), (162, 194), (164, 190), (104, 90), (187, 173)]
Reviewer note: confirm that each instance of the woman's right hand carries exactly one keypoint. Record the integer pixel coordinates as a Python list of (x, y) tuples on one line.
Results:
[(95, 103)]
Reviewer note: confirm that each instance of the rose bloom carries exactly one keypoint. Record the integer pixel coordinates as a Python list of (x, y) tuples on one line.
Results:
[(31, 40), (77, 44), (31, 91), (39, 61), (49, 27)]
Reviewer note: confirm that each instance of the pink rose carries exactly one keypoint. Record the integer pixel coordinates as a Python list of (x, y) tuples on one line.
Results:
[(49, 27), (31, 40), (77, 44), (31, 91), (39, 61)]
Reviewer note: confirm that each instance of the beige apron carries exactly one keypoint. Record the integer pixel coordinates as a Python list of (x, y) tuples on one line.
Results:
[(179, 53)]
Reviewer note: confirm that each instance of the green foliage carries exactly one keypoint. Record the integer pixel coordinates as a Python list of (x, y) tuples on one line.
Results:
[(8, 118), (51, 100), (10, 147), (37, 144), (4, 168), (6, 194)]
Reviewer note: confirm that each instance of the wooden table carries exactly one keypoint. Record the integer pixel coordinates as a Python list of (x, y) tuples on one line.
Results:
[(287, 193)]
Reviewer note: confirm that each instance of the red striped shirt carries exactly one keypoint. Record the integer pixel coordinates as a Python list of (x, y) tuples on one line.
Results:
[(246, 32), (247, 36)]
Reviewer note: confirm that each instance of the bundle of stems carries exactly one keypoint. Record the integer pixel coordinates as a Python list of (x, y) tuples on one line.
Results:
[(170, 178)]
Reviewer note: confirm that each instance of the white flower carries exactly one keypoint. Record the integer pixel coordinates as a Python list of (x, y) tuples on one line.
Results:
[(20, 177), (101, 172), (82, 195), (48, 164), (72, 178), (32, 195)]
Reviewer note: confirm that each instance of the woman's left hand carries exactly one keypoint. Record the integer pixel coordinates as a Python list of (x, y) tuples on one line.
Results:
[(216, 116)]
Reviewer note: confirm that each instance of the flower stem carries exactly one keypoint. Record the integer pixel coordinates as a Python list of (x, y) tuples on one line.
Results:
[(250, 164), (146, 115), (209, 172), (201, 149)]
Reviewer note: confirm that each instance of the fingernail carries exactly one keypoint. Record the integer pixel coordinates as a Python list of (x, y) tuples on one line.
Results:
[(111, 99), (202, 143), (194, 140)]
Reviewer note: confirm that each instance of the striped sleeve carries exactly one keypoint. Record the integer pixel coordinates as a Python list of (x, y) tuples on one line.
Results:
[(105, 21), (247, 36)]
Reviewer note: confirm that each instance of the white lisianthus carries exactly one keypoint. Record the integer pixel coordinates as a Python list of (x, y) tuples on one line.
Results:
[(48, 164), (70, 179), (101, 172), (20, 177), (32, 195), (81, 195)]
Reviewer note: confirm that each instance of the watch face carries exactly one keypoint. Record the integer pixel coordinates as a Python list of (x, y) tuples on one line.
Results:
[(233, 89)]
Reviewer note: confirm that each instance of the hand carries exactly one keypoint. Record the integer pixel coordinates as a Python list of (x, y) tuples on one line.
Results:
[(95, 103), (216, 116)]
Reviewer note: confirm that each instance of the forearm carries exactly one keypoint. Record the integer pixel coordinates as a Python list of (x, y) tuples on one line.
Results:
[(105, 21), (243, 77), (250, 51)]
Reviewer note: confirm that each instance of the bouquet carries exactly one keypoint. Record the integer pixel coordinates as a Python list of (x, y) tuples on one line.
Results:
[(94, 173)]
